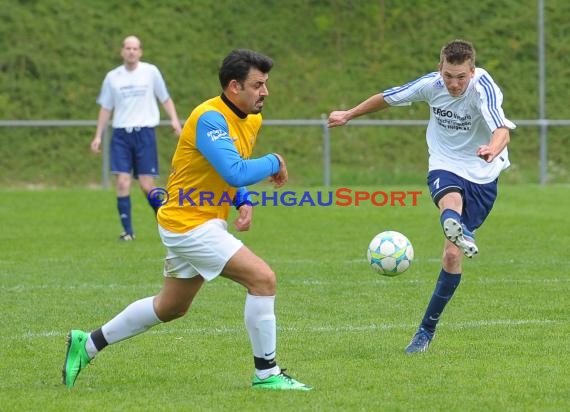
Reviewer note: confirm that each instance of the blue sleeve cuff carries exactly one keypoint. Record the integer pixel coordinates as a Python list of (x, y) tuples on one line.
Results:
[(242, 197), (275, 165)]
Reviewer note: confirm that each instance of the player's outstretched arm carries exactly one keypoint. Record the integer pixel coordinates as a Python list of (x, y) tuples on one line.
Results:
[(372, 104)]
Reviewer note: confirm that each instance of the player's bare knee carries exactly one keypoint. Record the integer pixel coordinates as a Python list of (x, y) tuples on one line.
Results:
[(171, 314), (147, 188), (265, 284), (452, 256), (168, 311)]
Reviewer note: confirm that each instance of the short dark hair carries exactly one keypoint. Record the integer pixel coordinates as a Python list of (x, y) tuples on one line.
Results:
[(457, 52), (237, 64)]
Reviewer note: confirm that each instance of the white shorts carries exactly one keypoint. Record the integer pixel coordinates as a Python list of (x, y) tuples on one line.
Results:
[(204, 250)]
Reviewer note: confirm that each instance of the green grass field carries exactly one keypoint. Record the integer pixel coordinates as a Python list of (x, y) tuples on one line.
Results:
[(502, 344)]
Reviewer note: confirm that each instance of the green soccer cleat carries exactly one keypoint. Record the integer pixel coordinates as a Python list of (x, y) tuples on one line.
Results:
[(76, 357), (280, 382)]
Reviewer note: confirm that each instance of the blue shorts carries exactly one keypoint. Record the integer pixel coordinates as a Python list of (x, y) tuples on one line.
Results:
[(134, 151), (478, 199)]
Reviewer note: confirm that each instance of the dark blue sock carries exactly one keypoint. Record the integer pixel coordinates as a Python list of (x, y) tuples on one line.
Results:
[(444, 289), (124, 207), (448, 213), (155, 206)]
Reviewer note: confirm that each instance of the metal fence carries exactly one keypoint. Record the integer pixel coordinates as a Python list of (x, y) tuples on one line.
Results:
[(543, 124)]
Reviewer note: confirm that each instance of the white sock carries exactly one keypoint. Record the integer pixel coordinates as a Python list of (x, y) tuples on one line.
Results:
[(136, 318), (266, 373), (259, 314), (90, 348)]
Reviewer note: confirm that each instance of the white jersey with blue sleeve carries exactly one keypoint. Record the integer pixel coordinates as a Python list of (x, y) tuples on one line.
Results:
[(458, 125)]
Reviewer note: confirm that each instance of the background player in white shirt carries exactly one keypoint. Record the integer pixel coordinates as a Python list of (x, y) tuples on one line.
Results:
[(130, 92), (467, 139)]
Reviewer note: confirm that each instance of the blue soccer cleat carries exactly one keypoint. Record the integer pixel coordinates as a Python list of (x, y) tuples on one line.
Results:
[(420, 341), (457, 234)]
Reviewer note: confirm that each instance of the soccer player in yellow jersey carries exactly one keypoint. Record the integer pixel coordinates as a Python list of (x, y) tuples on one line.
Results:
[(210, 171)]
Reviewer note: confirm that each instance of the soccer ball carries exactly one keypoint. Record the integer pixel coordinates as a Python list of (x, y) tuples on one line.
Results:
[(390, 253)]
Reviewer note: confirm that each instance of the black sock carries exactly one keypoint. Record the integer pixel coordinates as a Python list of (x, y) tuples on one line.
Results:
[(98, 339), (261, 363), (154, 207)]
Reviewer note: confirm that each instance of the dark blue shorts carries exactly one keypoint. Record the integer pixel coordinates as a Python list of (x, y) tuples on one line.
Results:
[(478, 199), (134, 151)]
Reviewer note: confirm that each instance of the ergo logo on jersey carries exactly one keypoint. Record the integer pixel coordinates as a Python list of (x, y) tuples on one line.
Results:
[(443, 113)]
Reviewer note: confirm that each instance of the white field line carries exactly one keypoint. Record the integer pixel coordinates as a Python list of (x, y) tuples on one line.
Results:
[(362, 261), (383, 279), (330, 329), (283, 279)]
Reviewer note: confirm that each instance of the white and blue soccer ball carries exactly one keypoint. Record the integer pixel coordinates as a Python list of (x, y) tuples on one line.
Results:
[(390, 253)]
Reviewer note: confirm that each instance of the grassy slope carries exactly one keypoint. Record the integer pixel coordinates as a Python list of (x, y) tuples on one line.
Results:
[(54, 54)]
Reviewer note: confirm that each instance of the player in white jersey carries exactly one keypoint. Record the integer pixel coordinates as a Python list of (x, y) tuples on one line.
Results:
[(467, 139), (130, 92)]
